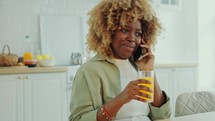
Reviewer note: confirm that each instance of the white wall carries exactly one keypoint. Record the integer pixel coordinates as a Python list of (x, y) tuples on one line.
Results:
[(190, 38), (206, 35), (178, 41), (190, 30), (19, 18), (171, 36)]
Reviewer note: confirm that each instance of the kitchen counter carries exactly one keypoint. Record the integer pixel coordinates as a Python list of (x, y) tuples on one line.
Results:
[(176, 65), (24, 69)]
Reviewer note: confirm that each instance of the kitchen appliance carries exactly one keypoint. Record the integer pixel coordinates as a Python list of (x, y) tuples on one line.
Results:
[(76, 59)]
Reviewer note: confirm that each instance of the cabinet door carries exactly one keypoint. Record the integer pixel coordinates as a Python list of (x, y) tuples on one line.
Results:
[(45, 97), (176, 81), (185, 80), (165, 80), (11, 98)]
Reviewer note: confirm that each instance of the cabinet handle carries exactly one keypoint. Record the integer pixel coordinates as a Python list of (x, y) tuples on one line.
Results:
[(20, 77), (27, 77)]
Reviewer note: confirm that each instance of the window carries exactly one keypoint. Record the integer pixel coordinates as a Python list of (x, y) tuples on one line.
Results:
[(170, 4)]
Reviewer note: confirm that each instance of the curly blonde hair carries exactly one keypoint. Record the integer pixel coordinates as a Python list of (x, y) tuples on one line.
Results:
[(110, 15)]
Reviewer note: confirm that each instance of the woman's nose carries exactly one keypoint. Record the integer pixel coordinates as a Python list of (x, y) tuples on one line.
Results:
[(132, 37)]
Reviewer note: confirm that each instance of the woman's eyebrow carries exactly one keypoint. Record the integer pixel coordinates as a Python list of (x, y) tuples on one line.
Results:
[(127, 26)]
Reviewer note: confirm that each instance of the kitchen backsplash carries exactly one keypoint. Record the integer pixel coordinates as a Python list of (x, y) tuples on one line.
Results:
[(20, 18)]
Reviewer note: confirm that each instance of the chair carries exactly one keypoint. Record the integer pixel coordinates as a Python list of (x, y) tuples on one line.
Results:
[(194, 102)]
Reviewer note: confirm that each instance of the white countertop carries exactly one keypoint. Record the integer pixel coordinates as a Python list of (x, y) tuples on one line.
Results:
[(24, 69), (180, 65)]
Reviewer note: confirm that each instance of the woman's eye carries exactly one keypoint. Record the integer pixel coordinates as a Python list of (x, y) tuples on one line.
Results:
[(138, 34), (124, 30)]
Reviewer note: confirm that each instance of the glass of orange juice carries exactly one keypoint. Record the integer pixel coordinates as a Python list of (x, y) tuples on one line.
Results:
[(147, 75), (27, 56)]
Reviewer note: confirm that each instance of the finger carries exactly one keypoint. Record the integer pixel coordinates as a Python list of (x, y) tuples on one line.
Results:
[(145, 89), (139, 98), (145, 55), (143, 81), (144, 45), (141, 93), (134, 89), (145, 96), (139, 81), (143, 41), (147, 47), (142, 98)]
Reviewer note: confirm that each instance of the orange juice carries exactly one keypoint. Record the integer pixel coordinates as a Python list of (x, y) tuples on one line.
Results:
[(28, 56), (150, 86)]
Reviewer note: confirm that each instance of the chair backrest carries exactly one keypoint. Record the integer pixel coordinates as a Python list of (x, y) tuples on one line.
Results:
[(194, 102)]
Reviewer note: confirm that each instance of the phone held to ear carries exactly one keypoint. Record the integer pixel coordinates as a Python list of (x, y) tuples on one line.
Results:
[(140, 52)]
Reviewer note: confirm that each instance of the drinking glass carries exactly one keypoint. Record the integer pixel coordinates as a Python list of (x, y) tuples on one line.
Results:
[(147, 75)]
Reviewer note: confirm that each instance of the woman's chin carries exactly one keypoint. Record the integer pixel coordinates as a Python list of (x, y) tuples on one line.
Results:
[(127, 55)]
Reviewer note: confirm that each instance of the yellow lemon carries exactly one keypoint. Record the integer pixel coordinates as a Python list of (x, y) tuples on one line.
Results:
[(45, 56), (39, 57)]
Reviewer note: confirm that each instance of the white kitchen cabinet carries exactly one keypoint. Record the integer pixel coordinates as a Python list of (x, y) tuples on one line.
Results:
[(176, 80), (185, 80), (33, 97), (11, 102), (165, 77)]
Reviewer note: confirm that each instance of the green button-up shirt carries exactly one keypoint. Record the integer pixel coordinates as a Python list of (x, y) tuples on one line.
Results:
[(96, 83)]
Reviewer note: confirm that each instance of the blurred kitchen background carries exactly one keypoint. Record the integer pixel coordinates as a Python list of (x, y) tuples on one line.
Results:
[(185, 52), (59, 28)]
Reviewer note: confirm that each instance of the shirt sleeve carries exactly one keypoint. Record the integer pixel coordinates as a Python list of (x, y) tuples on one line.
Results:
[(162, 112), (81, 104)]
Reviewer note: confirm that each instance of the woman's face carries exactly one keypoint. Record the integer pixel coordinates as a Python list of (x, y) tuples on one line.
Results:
[(126, 40)]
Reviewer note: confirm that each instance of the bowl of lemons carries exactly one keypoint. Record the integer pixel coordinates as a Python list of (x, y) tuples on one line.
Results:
[(45, 60)]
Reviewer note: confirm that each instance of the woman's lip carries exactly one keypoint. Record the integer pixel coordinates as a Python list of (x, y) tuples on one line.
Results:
[(129, 47)]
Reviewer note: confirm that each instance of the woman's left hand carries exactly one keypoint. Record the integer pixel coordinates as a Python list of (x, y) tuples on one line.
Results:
[(146, 60)]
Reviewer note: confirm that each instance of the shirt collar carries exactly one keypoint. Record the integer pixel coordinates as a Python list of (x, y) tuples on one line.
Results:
[(98, 57)]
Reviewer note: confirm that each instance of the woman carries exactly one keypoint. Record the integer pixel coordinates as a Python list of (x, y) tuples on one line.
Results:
[(106, 87)]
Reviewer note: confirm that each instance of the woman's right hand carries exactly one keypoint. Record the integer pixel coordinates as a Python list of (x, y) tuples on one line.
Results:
[(132, 91)]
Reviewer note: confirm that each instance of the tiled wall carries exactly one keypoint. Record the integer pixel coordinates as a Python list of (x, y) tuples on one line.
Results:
[(19, 18)]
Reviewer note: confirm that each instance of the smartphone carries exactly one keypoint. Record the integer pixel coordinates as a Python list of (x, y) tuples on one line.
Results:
[(138, 53)]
